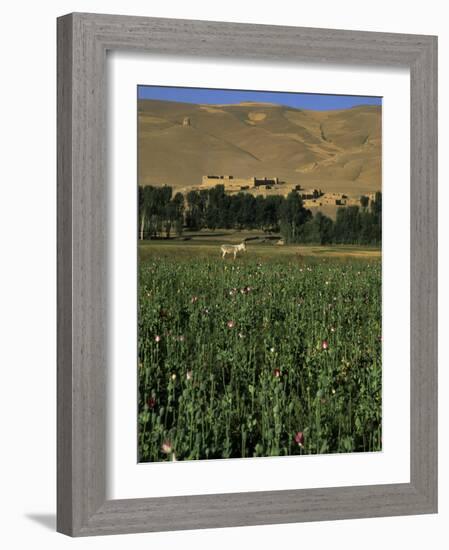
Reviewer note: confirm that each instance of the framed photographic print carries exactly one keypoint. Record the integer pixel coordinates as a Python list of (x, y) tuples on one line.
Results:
[(247, 276), (266, 355)]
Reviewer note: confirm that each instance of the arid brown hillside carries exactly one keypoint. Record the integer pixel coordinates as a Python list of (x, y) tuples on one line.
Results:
[(332, 150)]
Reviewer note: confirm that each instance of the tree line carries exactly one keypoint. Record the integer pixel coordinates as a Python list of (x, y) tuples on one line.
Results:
[(162, 214)]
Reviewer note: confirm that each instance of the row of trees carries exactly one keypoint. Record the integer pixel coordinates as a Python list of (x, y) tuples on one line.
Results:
[(213, 208), (353, 225), (161, 213)]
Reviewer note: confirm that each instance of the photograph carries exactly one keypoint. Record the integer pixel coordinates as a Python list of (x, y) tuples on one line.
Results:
[(259, 239)]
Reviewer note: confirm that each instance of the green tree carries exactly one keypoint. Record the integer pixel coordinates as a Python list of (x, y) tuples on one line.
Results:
[(193, 217), (178, 201), (293, 217), (347, 225), (146, 204), (318, 230)]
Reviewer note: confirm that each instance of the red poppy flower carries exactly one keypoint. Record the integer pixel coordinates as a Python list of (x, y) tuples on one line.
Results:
[(151, 402)]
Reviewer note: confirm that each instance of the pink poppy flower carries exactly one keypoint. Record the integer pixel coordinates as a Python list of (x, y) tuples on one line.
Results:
[(325, 344), (167, 447), (230, 324), (299, 439), (157, 338)]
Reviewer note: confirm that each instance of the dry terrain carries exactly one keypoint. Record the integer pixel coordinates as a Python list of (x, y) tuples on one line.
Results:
[(337, 151)]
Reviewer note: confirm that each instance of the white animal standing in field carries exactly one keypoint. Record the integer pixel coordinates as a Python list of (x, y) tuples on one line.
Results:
[(232, 249)]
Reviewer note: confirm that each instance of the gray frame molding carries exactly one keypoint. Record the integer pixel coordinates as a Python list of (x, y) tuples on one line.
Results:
[(83, 40)]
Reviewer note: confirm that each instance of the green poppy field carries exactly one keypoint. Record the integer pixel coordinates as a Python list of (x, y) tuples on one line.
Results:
[(261, 356)]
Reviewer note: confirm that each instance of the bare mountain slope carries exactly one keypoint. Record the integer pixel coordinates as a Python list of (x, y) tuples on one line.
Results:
[(334, 150)]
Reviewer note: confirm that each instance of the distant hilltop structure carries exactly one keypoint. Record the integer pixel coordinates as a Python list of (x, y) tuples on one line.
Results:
[(186, 121), (243, 183)]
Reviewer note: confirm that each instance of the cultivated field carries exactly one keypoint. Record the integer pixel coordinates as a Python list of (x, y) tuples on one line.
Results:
[(275, 353), (260, 247)]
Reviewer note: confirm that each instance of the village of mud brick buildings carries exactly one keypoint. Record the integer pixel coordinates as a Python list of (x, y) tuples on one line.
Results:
[(268, 185)]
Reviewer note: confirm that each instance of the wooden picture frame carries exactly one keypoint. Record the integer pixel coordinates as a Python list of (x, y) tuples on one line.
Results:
[(83, 40)]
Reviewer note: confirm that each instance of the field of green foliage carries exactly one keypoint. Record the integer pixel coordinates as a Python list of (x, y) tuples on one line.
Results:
[(252, 358)]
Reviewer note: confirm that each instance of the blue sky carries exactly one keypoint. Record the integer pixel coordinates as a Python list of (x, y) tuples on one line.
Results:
[(319, 102)]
